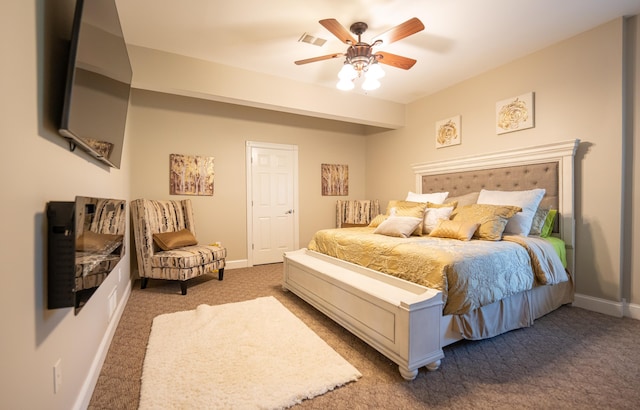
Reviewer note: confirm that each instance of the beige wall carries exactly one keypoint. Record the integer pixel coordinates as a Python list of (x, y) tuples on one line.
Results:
[(38, 167), (164, 124), (578, 94)]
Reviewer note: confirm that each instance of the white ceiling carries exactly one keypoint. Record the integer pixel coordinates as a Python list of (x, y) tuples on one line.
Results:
[(462, 38)]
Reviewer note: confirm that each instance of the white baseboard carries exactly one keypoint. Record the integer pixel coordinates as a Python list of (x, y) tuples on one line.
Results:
[(607, 307), (82, 402), (237, 264), (632, 310)]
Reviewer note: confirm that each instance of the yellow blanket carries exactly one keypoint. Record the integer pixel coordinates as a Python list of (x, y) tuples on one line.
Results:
[(469, 274)]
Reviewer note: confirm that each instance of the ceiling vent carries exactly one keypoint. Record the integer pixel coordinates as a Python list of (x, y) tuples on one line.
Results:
[(308, 38)]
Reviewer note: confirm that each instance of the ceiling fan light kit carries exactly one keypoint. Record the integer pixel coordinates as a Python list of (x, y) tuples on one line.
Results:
[(360, 59)]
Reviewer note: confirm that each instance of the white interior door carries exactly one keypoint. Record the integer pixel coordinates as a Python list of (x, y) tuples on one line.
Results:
[(272, 198)]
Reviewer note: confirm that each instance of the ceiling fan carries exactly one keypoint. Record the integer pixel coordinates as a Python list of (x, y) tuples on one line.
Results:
[(360, 57)]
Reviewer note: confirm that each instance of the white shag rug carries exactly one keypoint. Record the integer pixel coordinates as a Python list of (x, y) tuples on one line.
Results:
[(246, 355)]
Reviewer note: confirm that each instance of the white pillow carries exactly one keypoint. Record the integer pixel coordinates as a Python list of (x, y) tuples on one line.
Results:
[(433, 215), (434, 198), (399, 226), (520, 223)]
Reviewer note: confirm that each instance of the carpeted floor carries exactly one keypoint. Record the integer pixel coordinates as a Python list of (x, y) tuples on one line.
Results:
[(570, 359)]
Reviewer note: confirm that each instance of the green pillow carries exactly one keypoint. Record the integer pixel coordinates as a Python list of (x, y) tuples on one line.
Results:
[(547, 228)]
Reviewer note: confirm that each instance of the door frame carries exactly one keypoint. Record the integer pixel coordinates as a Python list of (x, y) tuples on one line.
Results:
[(250, 145)]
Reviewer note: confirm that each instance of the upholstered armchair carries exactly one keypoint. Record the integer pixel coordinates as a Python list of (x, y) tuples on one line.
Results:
[(166, 244), (356, 212)]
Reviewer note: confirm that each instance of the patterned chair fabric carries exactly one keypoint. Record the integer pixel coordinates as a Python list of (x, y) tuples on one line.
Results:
[(153, 216), (356, 211), (108, 217)]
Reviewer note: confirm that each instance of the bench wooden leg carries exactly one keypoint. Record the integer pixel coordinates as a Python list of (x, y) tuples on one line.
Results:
[(220, 273), (143, 283), (183, 287)]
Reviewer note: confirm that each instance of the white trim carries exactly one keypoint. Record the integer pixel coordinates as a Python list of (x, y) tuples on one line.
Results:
[(237, 264), (86, 391), (607, 307), (296, 218), (518, 156), (632, 310)]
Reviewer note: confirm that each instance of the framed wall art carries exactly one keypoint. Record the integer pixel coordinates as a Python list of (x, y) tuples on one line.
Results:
[(515, 114), (448, 132), (335, 180), (190, 175)]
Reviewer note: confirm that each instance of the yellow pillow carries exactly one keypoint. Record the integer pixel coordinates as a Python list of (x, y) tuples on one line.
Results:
[(377, 220), (172, 240), (448, 204), (492, 219), (408, 208), (462, 231)]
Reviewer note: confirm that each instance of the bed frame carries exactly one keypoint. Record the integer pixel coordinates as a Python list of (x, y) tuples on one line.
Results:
[(403, 320)]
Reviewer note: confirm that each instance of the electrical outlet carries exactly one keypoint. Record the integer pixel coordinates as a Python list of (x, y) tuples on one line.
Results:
[(57, 376)]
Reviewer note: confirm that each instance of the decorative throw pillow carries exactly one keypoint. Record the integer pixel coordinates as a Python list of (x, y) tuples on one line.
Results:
[(462, 200), (460, 230), (173, 240), (528, 200), (375, 222), (408, 208), (447, 204), (433, 215), (90, 241), (398, 226), (434, 197), (492, 219), (538, 220), (547, 228)]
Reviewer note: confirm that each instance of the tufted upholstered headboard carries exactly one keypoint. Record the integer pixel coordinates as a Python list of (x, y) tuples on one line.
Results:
[(509, 178), (545, 166)]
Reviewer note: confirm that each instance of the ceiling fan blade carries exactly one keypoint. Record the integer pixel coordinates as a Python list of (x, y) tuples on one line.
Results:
[(395, 60), (320, 58), (400, 31), (338, 30)]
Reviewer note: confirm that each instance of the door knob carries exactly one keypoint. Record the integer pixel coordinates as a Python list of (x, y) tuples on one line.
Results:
[(290, 211)]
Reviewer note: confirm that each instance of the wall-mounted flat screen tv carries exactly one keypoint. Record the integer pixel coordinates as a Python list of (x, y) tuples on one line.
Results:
[(98, 82)]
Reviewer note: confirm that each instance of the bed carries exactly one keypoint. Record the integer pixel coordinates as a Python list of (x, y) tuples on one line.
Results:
[(410, 321)]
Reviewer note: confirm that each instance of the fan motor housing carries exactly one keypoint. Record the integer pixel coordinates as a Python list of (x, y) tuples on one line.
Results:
[(358, 28)]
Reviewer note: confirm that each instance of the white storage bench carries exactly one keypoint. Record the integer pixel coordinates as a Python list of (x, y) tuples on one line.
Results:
[(400, 319)]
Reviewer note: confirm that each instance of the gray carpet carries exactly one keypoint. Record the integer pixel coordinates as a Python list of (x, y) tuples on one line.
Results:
[(570, 359)]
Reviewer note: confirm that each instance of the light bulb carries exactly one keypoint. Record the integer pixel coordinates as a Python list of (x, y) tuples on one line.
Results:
[(345, 85), (374, 72), (347, 72)]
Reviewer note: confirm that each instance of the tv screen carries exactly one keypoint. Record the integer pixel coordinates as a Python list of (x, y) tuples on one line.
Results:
[(98, 82)]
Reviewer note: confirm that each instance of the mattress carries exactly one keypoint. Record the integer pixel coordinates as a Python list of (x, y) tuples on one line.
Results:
[(470, 274)]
